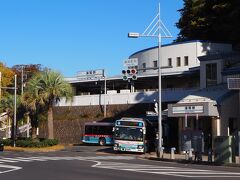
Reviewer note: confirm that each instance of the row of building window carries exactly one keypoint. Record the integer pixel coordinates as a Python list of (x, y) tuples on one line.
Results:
[(178, 63)]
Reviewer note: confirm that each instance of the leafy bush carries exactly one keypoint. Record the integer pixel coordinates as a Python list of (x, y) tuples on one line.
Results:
[(6, 142), (28, 142)]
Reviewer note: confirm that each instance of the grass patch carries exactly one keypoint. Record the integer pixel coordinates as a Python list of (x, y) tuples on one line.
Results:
[(35, 149)]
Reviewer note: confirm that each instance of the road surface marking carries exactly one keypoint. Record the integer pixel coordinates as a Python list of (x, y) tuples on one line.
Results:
[(8, 168), (165, 170), (49, 158)]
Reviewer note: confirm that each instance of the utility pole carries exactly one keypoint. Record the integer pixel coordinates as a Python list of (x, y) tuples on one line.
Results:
[(105, 93), (15, 112)]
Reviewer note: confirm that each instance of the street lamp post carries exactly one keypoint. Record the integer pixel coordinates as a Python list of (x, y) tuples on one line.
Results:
[(155, 29)]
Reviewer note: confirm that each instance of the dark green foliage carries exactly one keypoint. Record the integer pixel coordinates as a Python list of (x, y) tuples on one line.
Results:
[(6, 142), (28, 142), (214, 20)]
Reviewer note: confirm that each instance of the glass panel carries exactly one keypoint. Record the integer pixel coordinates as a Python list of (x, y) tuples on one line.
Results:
[(211, 74), (144, 66), (178, 61), (128, 133), (88, 129), (185, 60), (169, 61)]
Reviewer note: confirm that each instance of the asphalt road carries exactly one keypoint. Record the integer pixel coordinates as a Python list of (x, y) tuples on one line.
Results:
[(92, 163)]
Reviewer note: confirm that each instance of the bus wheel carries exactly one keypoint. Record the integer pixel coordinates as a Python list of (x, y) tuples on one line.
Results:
[(102, 141)]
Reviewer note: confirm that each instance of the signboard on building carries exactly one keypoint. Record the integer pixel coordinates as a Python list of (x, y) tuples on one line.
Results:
[(91, 74), (191, 109), (133, 62)]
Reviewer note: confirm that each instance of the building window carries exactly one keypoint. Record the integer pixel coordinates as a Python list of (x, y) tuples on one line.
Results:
[(211, 74), (185, 60), (178, 61), (144, 67), (155, 64), (169, 61)]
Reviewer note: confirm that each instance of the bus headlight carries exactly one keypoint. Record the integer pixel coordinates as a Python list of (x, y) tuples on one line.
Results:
[(115, 145), (140, 146)]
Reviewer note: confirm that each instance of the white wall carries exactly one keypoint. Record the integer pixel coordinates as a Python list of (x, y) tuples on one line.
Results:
[(168, 95), (191, 49)]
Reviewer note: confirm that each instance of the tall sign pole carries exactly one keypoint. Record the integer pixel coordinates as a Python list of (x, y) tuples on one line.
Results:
[(160, 149), (156, 29)]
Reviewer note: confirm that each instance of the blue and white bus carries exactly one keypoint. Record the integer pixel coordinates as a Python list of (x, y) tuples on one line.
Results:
[(134, 135), (98, 133)]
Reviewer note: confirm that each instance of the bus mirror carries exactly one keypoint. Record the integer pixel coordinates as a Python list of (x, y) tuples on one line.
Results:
[(144, 130)]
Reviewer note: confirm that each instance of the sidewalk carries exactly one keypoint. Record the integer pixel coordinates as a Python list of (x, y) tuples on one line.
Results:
[(181, 158)]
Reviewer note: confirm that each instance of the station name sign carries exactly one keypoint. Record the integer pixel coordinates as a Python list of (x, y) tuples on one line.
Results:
[(91, 74), (187, 109), (130, 62)]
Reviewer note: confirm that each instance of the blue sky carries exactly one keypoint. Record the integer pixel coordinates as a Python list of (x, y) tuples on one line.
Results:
[(75, 35)]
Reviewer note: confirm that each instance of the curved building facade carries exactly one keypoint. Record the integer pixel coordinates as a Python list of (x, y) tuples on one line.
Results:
[(176, 58)]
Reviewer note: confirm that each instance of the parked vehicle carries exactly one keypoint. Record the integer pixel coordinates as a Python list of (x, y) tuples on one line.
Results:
[(98, 133)]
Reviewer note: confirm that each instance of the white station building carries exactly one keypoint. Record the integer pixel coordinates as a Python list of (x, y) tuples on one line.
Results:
[(194, 87)]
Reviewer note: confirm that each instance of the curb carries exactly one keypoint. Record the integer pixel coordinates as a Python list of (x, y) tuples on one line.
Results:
[(183, 161)]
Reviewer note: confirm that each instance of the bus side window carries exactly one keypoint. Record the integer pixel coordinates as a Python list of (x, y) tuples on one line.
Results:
[(94, 130), (88, 129), (108, 130)]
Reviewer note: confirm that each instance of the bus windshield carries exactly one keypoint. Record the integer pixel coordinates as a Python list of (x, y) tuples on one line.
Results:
[(129, 133)]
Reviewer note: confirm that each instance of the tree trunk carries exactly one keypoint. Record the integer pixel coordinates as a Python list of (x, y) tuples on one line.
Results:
[(34, 132), (50, 123)]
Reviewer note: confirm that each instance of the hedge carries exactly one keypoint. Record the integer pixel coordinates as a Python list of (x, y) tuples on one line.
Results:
[(27, 142)]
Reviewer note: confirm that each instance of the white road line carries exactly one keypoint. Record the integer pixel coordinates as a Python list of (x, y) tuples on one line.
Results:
[(11, 168), (5, 160), (19, 159), (165, 170)]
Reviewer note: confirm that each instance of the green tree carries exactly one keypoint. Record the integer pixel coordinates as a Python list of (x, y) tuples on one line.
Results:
[(7, 77), (214, 20), (25, 71), (30, 101), (7, 105), (44, 90)]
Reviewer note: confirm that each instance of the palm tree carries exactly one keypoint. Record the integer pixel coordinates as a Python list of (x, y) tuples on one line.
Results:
[(45, 89), (30, 101)]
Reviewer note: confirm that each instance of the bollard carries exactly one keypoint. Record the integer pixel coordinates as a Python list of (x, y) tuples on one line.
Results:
[(209, 155), (190, 154), (173, 149), (1, 147), (161, 152), (186, 155)]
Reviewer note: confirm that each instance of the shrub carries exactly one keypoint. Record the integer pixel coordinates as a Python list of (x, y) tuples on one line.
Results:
[(6, 142), (28, 142)]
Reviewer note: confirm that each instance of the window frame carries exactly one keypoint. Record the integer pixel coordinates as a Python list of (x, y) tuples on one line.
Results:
[(178, 64)]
